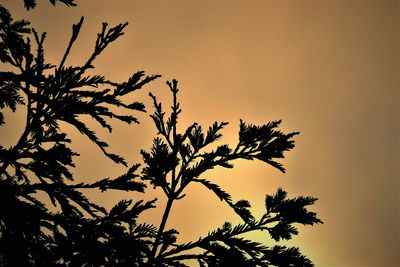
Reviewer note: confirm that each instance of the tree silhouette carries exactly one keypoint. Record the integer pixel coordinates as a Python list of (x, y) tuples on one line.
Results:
[(66, 228)]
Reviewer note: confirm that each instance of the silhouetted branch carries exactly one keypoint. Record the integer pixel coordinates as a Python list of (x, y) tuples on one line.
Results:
[(41, 160), (75, 32), (183, 157), (31, 4)]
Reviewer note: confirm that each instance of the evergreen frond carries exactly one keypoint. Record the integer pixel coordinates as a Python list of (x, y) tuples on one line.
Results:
[(221, 194)]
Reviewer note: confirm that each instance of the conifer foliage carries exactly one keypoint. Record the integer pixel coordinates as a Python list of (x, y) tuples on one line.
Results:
[(65, 228)]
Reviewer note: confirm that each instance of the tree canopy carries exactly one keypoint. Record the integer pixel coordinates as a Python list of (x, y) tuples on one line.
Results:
[(66, 228)]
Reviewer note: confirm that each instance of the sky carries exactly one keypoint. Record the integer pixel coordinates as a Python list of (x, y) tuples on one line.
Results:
[(329, 69)]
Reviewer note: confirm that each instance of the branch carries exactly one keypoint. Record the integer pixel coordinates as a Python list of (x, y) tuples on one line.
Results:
[(75, 32)]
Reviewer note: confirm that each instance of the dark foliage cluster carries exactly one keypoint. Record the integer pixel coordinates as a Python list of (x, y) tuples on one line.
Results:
[(178, 159), (65, 228), (29, 4)]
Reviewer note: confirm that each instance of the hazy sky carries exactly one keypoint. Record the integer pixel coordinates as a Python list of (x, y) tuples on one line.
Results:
[(329, 69)]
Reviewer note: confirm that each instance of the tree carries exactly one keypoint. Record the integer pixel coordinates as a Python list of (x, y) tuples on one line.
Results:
[(68, 229)]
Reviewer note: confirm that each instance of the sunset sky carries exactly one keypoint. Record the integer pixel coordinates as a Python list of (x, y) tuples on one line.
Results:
[(329, 69)]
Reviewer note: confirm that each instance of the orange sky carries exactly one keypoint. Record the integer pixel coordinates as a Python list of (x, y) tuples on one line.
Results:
[(327, 69)]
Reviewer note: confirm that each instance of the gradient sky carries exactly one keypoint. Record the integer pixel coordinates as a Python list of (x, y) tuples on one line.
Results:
[(329, 69)]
